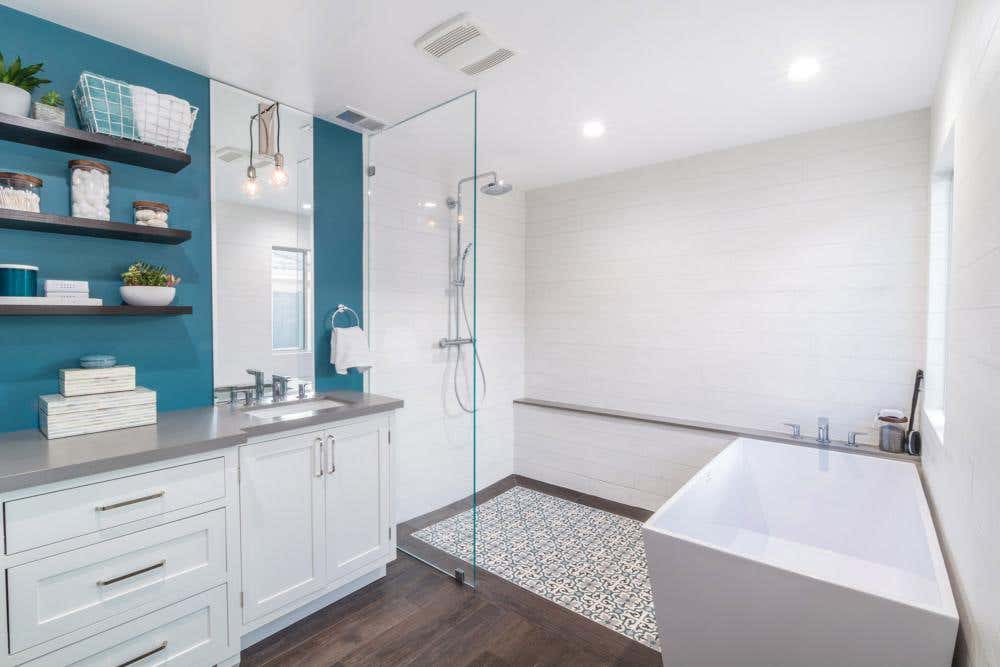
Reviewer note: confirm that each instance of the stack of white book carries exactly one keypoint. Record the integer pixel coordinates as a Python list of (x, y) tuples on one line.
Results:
[(57, 293), (70, 292), (92, 400)]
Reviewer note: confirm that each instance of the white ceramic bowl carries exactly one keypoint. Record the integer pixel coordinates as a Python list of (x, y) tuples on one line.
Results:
[(141, 295)]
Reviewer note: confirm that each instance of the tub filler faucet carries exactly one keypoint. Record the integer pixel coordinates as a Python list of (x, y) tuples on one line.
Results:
[(823, 431)]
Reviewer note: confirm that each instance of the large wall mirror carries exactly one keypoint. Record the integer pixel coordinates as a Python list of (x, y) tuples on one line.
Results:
[(262, 238)]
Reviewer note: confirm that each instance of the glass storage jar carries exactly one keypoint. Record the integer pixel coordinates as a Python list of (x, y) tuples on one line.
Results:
[(90, 189), (151, 213), (19, 191)]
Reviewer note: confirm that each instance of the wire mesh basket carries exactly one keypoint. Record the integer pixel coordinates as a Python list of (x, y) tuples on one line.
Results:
[(119, 109)]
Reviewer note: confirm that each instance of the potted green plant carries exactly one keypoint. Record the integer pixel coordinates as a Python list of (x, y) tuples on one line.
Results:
[(51, 108), (16, 84), (147, 285)]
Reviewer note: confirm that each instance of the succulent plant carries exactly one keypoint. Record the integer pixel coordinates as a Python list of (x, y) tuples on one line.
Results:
[(53, 99), (20, 76), (147, 275)]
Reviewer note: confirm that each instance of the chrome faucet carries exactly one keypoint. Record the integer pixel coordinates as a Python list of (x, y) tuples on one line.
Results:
[(796, 429), (258, 378), (852, 437), (823, 431), (279, 386)]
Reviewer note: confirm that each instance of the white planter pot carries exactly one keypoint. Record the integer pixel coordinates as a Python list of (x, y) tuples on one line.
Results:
[(139, 295), (14, 101)]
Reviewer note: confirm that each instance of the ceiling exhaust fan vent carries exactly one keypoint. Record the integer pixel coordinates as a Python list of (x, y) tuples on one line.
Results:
[(452, 39), (489, 61), (463, 46), (359, 119), (231, 154)]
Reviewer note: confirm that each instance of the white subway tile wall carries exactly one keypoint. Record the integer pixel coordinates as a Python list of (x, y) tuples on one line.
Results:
[(409, 313), (625, 461), (963, 472), (768, 283)]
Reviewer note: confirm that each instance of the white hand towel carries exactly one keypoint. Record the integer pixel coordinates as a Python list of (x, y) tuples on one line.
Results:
[(349, 349)]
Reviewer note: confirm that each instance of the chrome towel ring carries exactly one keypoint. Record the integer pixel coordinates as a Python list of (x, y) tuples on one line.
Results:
[(341, 308)]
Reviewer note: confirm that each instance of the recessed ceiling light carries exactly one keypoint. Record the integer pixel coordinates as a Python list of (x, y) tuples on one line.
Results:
[(803, 69), (429, 204), (593, 129)]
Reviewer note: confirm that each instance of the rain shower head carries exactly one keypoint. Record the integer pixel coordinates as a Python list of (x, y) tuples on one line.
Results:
[(496, 188)]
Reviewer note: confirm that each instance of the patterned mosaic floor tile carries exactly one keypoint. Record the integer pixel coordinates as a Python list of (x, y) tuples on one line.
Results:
[(585, 559)]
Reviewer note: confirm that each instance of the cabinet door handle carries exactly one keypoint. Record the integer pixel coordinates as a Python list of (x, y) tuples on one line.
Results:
[(333, 449), (123, 577), (318, 454), (114, 506), (145, 655)]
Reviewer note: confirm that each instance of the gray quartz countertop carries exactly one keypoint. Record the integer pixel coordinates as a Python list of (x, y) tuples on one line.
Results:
[(27, 458)]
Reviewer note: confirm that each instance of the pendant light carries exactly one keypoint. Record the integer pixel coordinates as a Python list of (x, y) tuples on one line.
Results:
[(251, 188), (279, 177)]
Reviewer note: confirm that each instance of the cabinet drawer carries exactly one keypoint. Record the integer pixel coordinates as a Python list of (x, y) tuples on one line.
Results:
[(191, 632), (50, 517), (59, 594)]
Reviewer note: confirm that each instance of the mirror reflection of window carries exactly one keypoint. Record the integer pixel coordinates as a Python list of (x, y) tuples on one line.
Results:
[(288, 299)]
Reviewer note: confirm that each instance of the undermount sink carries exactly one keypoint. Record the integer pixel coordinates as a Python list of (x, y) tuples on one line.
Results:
[(296, 410)]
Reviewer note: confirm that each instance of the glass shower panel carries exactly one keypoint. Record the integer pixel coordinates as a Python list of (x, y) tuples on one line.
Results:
[(421, 282)]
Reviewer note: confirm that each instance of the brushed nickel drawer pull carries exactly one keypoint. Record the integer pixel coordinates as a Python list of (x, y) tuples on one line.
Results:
[(114, 506), (115, 580), (144, 655), (333, 453)]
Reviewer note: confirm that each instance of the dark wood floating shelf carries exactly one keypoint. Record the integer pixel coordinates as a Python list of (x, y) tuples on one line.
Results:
[(94, 310), (71, 140), (59, 224)]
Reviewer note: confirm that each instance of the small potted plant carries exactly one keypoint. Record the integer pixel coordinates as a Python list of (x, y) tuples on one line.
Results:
[(16, 84), (51, 108), (147, 285)]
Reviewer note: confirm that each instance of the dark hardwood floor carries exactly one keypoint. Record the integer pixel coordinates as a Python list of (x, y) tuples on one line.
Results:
[(418, 616)]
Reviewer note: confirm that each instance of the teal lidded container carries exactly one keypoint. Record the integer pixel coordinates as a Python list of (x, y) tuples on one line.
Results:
[(18, 280)]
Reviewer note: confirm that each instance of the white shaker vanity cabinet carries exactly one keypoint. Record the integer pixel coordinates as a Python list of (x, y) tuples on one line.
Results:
[(316, 514), (185, 560), (132, 565)]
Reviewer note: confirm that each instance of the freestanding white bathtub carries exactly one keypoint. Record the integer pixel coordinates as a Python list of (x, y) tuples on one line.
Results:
[(776, 554)]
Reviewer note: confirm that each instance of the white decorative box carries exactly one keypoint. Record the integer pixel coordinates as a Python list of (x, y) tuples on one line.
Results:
[(89, 381), (63, 416)]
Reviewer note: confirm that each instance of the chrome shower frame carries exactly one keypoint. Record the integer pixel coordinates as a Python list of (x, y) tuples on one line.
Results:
[(458, 265), (494, 187)]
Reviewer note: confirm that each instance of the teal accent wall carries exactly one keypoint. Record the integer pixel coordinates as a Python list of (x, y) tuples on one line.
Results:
[(172, 355), (338, 239)]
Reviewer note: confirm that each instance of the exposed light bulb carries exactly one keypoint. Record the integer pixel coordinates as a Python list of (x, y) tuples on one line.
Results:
[(251, 188), (279, 177)]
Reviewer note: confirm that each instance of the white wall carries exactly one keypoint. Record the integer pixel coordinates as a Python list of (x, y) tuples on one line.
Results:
[(767, 283), (244, 237), (409, 313), (631, 462), (963, 472)]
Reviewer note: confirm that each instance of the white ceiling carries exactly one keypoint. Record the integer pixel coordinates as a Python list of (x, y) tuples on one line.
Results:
[(668, 78)]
